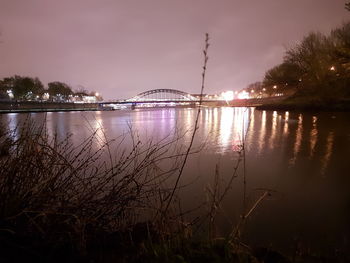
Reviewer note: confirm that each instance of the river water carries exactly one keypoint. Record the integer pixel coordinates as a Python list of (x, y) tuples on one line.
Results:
[(302, 158)]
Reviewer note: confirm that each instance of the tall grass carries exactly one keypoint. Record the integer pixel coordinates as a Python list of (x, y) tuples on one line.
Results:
[(58, 193)]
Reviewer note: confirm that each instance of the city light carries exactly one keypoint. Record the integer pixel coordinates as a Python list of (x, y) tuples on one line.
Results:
[(227, 95), (10, 94), (46, 96), (275, 87), (332, 68), (243, 95)]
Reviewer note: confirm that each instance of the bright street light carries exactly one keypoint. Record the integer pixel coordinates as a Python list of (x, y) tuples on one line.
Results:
[(243, 95), (227, 95), (10, 94)]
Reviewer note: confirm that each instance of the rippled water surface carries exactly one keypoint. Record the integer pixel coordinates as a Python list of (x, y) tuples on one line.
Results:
[(303, 158)]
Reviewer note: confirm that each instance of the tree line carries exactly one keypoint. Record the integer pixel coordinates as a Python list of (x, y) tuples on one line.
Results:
[(317, 68), (28, 88)]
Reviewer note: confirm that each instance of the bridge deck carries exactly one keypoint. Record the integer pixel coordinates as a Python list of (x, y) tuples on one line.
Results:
[(237, 102)]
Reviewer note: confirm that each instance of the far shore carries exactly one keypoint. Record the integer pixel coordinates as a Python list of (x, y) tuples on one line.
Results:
[(311, 105), (45, 110), (39, 106), (271, 104)]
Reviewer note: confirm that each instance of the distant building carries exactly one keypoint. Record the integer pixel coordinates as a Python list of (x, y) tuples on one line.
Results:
[(205, 96), (89, 99)]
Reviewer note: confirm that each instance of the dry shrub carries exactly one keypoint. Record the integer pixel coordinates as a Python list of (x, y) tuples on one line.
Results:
[(53, 191)]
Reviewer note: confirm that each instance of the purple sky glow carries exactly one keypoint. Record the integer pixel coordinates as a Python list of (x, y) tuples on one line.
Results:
[(123, 47)]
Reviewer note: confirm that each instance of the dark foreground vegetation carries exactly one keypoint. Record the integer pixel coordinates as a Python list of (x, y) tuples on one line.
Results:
[(90, 203), (65, 204), (61, 203)]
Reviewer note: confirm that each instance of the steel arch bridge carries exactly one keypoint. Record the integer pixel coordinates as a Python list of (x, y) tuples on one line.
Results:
[(163, 95)]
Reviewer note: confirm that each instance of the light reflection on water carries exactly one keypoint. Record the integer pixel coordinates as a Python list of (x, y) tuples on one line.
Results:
[(298, 138), (221, 128), (273, 130), (96, 126), (328, 152), (301, 155), (262, 132), (285, 128), (313, 136), (226, 126)]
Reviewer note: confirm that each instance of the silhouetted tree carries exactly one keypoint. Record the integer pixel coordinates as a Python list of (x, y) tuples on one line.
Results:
[(340, 38), (23, 87), (285, 74), (314, 57), (59, 90), (254, 89), (3, 90), (319, 67), (347, 6), (283, 78)]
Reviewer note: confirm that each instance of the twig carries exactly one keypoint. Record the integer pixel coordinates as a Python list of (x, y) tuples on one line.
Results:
[(245, 216), (205, 52)]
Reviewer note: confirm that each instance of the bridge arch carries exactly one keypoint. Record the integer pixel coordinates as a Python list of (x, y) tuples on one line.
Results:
[(163, 95)]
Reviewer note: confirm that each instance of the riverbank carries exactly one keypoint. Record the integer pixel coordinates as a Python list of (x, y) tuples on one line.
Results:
[(44, 106), (305, 104), (130, 247), (38, 106)]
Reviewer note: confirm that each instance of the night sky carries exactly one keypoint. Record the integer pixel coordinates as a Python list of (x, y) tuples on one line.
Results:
[(121, 48)]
